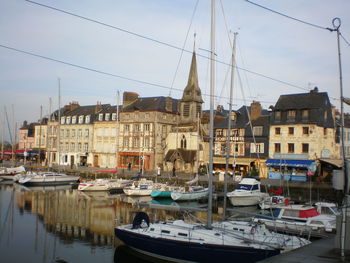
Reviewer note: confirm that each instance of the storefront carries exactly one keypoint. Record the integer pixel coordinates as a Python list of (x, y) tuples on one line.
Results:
[(290, 170)]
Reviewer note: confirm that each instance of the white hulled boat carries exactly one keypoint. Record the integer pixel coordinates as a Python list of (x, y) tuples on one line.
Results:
[(189, 193), (9, 173), (247, 193), (140, 187), (298, 219), (47, 178)]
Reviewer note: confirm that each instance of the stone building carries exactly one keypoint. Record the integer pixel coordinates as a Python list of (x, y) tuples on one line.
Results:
[(248, 140), (144, 125), (184, 148), (302, 131)]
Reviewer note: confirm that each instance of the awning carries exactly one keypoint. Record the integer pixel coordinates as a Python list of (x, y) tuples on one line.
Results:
[(336, 162), (289, 163)]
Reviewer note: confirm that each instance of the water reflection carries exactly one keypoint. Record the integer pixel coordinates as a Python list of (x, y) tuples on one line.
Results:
[(59, 220)]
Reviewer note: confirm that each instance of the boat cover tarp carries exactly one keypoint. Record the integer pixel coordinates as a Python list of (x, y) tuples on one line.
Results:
[(308, 213), (289, 163)]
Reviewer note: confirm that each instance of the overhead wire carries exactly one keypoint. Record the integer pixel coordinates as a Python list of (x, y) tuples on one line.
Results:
[(161, 42), (297, 19), (94, 70), (183, 47)]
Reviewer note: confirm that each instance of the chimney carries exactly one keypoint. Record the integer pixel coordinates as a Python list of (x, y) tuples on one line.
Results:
[(315, 90), (98, 106), (71, 106), (168, 104), (255, 110), (129, 97)]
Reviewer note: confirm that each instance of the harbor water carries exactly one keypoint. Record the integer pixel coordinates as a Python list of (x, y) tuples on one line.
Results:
[(62, 224)]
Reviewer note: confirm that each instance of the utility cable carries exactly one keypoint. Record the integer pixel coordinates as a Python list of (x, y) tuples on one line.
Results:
[(183, 48), (290, 17), (162, 43), (99, 71)]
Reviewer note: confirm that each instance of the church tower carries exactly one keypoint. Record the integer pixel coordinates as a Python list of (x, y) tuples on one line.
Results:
[(191, 102)]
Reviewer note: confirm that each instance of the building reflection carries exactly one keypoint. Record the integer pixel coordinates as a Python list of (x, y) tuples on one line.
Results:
[(89, 217)]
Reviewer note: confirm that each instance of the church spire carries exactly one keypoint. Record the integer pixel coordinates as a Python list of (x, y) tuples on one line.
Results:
[(192, 91)]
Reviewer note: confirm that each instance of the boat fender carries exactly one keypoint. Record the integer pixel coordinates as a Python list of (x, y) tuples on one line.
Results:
[(253, 230)]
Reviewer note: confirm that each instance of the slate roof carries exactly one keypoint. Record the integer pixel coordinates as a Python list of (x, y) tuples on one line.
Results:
[(187, 156), (151, 104), (312, 100)]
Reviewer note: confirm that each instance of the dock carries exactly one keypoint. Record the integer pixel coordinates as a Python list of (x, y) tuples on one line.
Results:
[(319, 251)]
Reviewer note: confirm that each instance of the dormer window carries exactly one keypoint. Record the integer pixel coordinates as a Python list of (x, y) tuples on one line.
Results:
[(107, 116), (87, 119), (63, 120), (81, 119), (68, 120), (277, 115), (291, 115), (114, 116), (100, 117), (74, 119)]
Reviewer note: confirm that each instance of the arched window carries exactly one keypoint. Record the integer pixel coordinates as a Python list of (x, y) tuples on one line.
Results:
[(183, 142)]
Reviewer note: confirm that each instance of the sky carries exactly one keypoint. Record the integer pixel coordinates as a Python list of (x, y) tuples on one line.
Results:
[(136, 46)]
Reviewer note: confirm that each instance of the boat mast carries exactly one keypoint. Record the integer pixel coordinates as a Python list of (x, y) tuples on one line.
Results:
[(117, 135), (59, 125), (228, 139), (211, 119)]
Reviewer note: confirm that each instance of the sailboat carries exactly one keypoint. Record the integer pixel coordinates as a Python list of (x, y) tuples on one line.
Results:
[(181, 241)]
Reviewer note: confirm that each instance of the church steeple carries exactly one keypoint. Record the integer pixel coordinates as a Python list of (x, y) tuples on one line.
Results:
[(192, 91), (191, 102)]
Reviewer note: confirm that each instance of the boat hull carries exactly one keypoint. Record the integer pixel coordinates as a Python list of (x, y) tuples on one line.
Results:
[(49, 181), (186, 196), (246, 200), (160, 194), (173, 250)]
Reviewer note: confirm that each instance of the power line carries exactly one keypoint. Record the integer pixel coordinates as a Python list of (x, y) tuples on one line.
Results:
[(163, 43), (98, 71), (290, 17)]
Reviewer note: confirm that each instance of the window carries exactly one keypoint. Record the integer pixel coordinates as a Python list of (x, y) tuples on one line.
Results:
[(86, 147), (100, 117), (277, 147), (107, 116), (79, 147), (305, 147), (126, 127), (290, 147), (136, 142), (325, 131), (291, 115), (258, 130), (277, 115), (68, 120), (199, 110), (126, 142), (277, 130), (219, 132), (81, 119), (290, 130), (73, 133), (186, 110), (146, 115), (63, 120), (86, 134), (67, 146), (87, 119), (137, 127), (146, 127), (80, 133), (325, 115), (257, 147), (74, 119), (305, 115), (72, 147), (114, 116), (183, 142), (306, 130), (67, 133), (146, 143), (223, 148)]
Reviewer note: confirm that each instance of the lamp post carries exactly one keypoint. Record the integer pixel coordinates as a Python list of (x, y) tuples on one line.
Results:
[(336, 25)]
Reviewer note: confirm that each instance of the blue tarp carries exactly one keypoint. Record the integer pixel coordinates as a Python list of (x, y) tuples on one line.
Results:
[(289, 163)]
